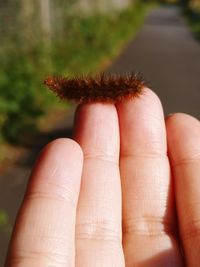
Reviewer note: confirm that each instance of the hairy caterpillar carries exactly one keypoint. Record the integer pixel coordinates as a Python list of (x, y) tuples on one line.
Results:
[(101, 88)]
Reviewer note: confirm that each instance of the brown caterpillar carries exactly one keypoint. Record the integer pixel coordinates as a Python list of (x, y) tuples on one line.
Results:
[(101, 88)]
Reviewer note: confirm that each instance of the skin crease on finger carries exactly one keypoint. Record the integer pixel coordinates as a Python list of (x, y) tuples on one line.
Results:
[(149, 220), (98, 224), (46, 224), (184, 152), (44, 232)]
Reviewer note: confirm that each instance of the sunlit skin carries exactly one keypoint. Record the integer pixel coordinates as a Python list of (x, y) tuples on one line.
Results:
[(124, 192)]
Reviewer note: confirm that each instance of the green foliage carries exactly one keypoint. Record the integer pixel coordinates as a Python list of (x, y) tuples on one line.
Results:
[(193, 18), (20, 86), (3, 218), (84, 45), (5, 225)]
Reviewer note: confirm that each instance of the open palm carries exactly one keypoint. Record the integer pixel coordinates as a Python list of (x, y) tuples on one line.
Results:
[(129, 195)]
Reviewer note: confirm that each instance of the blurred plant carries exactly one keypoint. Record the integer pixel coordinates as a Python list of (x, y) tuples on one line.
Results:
[(5, 225), (191, 4), (20, 85), (3, 218), (78, 44), (191, 10)]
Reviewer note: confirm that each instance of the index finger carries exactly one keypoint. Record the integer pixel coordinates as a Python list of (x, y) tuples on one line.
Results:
[(98, 225)]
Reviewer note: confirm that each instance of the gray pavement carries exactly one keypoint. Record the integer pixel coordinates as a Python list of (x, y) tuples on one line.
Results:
[(168, 56)]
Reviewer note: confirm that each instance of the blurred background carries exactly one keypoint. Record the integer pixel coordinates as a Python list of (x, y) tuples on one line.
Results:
[(161, 39)]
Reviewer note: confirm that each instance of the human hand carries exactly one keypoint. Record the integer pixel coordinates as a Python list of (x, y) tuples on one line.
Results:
[(74, 214)]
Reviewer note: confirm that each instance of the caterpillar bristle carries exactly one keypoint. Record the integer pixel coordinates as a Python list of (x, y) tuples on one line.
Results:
[(101, 88)]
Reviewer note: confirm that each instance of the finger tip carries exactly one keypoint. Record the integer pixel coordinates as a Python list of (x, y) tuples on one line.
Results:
[(141, 122), (183, 132), (151, 99), (95, 107), (58, 150), (148, 102), (65, 147), (91, 126), (181, 121), (94, 110)]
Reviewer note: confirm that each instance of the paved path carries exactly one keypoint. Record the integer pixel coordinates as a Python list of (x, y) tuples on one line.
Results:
[(168, 56)]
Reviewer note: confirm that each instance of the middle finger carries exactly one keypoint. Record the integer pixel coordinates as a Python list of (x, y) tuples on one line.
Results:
[(148, 205)]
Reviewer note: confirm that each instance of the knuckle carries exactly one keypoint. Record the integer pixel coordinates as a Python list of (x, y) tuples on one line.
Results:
[(193, 158), (148, 227), (35, 258), (98, 230), (108, 158), (54, 192)]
